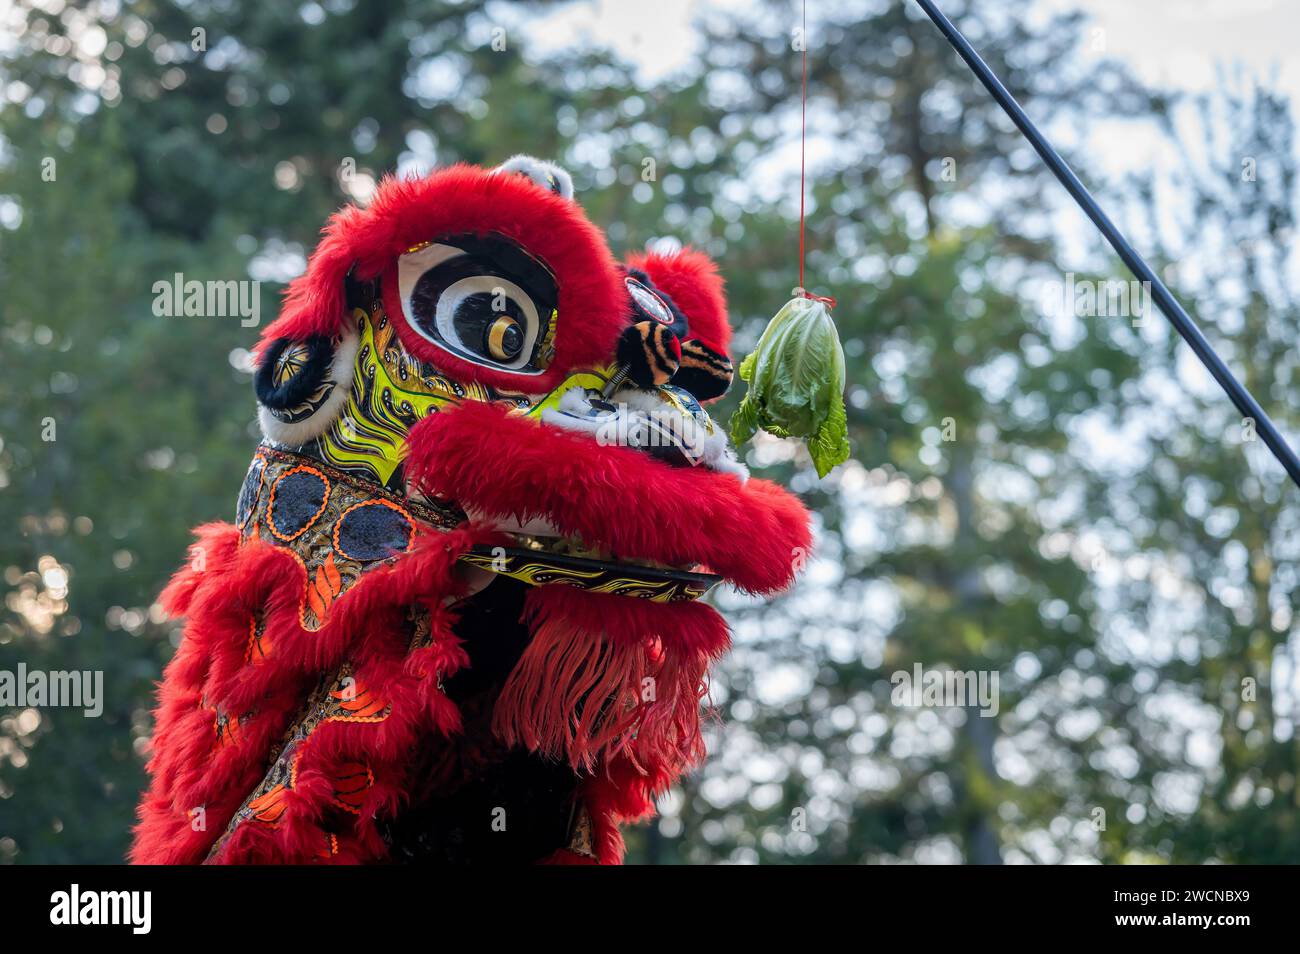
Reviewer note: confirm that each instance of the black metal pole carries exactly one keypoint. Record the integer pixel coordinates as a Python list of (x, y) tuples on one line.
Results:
[(1177, 316)]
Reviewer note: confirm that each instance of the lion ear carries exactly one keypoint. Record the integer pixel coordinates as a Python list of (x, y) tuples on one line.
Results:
[(302, 385), (691, 280), (546, 174)]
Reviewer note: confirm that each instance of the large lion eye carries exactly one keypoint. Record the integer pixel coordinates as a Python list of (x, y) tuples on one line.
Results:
[(482, 299)]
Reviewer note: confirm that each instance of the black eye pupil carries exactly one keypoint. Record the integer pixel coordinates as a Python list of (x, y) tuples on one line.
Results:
[(490, 324)]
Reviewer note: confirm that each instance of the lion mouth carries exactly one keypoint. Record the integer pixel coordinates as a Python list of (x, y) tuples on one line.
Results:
[(611, 518), (576, 549), (541, 555)]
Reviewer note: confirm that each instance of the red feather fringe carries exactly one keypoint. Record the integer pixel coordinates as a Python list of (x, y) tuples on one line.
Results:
[(606, 675), (195, 770)]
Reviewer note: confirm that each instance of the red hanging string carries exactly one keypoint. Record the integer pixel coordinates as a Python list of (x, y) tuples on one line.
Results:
[(803, 132), (803, 157)]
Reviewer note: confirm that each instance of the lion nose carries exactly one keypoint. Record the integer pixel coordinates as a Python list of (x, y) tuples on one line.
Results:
[(650, 353)]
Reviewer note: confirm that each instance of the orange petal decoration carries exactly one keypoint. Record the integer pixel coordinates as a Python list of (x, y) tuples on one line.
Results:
[(332, 575), (351, 783), (362, 705), (318, 605), (270, 807)]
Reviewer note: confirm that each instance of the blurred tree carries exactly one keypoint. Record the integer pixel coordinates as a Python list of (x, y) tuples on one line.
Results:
[(949, 544), (1212, 554)]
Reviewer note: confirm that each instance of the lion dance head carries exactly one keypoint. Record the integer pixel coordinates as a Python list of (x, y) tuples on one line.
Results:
[(458, 617)]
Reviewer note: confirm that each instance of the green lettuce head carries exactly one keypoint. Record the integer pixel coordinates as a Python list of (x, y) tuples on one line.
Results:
[(796, 384)]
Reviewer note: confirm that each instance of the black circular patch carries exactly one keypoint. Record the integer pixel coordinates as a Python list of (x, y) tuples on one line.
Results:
[(373, 531), (249, 493), (291, 371), (297, 498)]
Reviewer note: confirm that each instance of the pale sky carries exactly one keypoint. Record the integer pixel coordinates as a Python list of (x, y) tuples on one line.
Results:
[(1180, 44), (1177, 42)]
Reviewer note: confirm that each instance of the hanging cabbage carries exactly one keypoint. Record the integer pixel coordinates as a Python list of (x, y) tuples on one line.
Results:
[(796, 384)]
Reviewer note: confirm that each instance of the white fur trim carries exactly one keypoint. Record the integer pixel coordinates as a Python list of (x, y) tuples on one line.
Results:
[(713, 447), (541, 172), (300, 432), (633, 407)]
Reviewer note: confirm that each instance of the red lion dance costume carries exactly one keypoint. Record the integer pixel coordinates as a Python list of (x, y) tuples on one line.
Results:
[(457, 618)]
